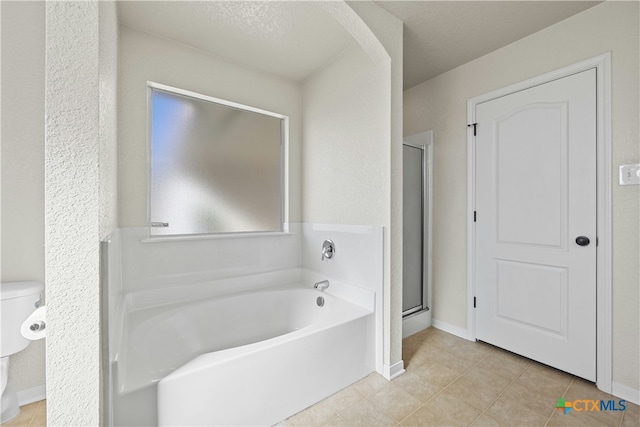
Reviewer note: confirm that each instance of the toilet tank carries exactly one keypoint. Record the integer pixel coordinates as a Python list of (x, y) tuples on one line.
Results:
[(17, 301)]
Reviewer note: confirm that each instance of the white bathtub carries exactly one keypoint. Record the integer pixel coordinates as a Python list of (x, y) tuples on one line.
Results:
[(253, 358)]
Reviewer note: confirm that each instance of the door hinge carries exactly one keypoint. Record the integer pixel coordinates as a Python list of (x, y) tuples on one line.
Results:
[(474, 302), (474, 216), (474, 127)]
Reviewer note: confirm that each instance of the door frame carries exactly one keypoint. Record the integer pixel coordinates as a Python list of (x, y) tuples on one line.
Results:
[(602, 64)]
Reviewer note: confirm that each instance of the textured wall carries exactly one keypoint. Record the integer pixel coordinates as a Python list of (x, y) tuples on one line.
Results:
[(108, 85), (23, 164), (346, 165), (108, 161), (351, 135), (389, 32), (142, 58), (344, 118), (72, 213), (440, 104)]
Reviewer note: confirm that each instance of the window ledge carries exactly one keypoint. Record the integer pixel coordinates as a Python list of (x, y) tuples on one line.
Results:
[(185, 237)]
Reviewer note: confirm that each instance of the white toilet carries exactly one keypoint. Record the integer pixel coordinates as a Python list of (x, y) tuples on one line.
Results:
[(17, 301)]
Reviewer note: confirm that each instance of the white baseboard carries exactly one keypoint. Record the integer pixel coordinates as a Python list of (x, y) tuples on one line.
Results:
[(31, 395), (393, 371), (454, 330), (415, 323), (624, 392)]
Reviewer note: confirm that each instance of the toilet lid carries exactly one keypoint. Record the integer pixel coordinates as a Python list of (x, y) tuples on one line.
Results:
[(9, 290)]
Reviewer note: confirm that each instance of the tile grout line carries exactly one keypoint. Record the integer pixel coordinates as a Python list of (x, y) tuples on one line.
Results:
[(34, 414), (42, 407), (339, 413), (336, 413), (624, 414), (528, 366), (563, 395), (621, 419), (445, 387), (502, 392)]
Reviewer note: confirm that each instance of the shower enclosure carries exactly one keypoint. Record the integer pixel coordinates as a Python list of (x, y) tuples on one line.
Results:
[(416, 298)]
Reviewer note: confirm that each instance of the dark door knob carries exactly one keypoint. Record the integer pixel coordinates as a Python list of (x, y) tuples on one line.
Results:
[(582, 240)]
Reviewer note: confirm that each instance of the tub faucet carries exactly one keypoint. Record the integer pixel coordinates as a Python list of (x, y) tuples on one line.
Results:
[(322, 285)]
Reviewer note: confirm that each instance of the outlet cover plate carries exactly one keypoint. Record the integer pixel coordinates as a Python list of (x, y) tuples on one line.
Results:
[(630, 174)]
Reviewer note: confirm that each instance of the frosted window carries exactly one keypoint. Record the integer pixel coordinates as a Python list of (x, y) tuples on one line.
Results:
[(215, 168)]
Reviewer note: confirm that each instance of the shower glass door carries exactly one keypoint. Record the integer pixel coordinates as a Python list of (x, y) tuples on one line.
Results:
[(414, 295), (417, 201)]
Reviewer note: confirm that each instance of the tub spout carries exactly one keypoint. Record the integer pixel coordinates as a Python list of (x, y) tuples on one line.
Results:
[(322, 285)]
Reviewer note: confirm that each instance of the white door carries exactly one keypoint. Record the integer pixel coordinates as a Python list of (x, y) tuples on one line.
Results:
[(535, 254)]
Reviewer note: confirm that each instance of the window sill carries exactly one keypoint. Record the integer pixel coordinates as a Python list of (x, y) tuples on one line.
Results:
[(186, 237)]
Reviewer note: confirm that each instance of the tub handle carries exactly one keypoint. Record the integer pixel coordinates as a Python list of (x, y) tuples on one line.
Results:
[(328, 249)]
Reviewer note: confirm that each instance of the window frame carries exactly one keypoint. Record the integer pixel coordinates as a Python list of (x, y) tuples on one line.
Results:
[(284, 165)]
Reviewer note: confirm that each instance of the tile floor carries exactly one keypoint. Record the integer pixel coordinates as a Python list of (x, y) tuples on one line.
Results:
[(449, 382), (454, 382), (31, 415)]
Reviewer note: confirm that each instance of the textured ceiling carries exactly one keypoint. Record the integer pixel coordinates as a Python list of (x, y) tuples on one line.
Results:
[(290, 39), (441, 35), (294, 38)]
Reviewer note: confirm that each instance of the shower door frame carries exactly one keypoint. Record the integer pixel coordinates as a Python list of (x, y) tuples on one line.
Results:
[(416, 141)]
